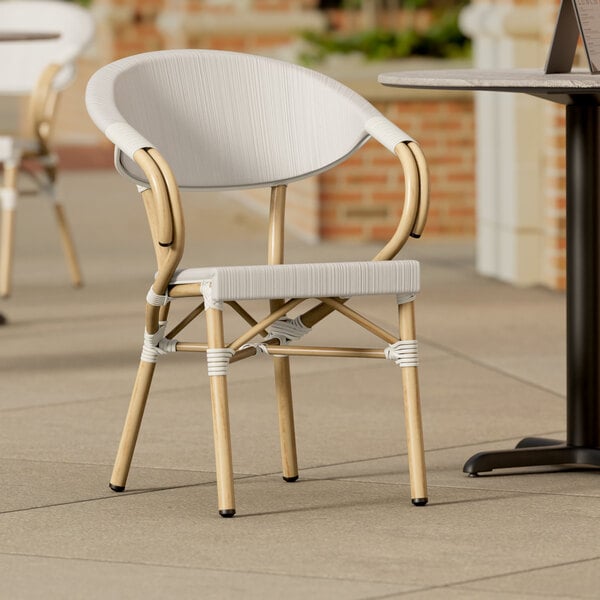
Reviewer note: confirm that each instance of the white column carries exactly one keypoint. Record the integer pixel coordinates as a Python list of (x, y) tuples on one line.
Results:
[(509, 179)]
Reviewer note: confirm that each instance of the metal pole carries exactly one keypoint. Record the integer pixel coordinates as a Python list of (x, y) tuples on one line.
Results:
[(583, 274)]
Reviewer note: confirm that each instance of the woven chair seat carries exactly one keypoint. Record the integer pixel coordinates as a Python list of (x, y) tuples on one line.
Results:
[(314, 280)]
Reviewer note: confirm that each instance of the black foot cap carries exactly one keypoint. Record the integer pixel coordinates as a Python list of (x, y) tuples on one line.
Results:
[(291, 479), (116, 488), (473, 474), (3, 320), (227, 513), (420, 501)]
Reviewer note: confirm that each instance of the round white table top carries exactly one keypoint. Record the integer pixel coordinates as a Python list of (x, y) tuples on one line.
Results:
[(533, 81), (27, 36)]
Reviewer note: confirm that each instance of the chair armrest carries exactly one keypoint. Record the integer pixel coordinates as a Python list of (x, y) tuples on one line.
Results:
[(423, 189), (164, 217), (416, 177), (410, 209), (43, 103)]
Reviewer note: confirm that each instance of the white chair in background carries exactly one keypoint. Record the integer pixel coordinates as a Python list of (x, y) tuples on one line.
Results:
[(213, 120), (39, 43)]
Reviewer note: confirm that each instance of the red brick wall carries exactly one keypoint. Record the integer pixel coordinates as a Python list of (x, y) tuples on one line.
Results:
[(555, 247), (363, 196), (139, 34), (555, 223)]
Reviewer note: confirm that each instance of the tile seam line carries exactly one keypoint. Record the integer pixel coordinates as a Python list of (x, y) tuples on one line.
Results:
[(305, 468), (392, 595), (60, 320), (115, 495), (243, 477), (508, 493), (201, 569), (126, 395), (427, 450), (501, 575), (141, 492), (446, 349), (513, 491), (110, 465), (490, 367)]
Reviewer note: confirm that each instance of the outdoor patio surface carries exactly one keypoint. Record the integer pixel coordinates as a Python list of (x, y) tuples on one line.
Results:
[(492, 371)]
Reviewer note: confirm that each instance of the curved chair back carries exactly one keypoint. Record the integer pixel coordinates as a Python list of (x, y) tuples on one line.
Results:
[(220, 120), (24, 61), (225, 120)]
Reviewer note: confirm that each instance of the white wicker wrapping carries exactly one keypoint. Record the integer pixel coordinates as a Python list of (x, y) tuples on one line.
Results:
[(12, 148), (206, 107)]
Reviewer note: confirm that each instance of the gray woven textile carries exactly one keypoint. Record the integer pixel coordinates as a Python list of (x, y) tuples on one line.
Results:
[(205, 108)]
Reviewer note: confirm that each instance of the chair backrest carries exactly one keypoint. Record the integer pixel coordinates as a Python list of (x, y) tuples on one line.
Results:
[(225, 120), (22, 62)]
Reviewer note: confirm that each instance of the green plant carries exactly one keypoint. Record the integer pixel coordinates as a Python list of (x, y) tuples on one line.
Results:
[(84, 3), (443, 39)]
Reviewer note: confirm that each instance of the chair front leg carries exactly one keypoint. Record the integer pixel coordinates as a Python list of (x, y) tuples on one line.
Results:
[(8, 197), (412, 411), (218, 361), (287, 432), (132, 425)]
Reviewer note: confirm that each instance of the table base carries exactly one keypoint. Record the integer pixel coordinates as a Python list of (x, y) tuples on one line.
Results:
[(533, 452), (582, 446), (581, 95)]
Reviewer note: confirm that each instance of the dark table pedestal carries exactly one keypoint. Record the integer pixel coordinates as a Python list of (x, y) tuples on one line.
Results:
[(582, 446)]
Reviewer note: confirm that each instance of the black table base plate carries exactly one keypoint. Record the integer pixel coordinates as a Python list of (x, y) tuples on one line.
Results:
[(533, 452)]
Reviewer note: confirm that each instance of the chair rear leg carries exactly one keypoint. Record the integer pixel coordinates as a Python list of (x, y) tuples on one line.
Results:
[(67, 244), (412, 412), (132, 425), (8, 196), (283, 386), (287, 432), (217, 369)]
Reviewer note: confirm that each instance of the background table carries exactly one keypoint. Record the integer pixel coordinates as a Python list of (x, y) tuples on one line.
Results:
[(580, 92), (27, 36)]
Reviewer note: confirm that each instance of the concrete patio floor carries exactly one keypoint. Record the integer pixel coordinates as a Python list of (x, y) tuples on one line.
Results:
[(492, 371)]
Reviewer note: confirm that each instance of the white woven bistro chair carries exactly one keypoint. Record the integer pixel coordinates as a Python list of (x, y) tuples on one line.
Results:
[(213, 120), (38, 69)]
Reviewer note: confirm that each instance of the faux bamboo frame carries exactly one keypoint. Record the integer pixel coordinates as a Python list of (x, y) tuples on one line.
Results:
[(165, 216)]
